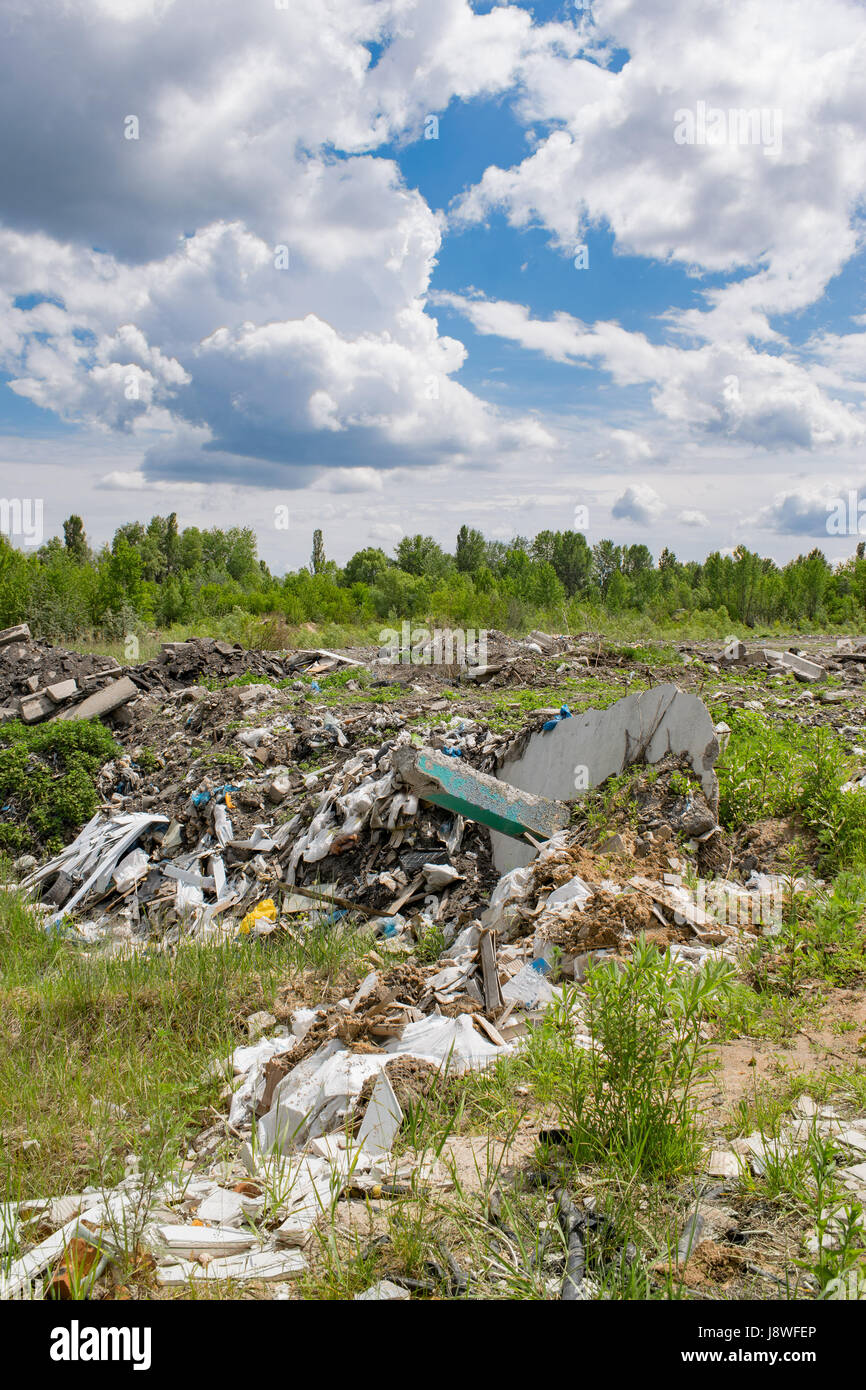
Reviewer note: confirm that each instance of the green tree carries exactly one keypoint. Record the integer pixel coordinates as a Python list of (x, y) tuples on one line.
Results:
[(636, 559), (172, 544), (366, 566), (607, 559), (317, 559), (241, 561), (75, 540), (572, 560), (471, 549), (421, 555)]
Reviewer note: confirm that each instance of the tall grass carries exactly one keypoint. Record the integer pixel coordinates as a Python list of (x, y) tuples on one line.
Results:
[(101, 1057)]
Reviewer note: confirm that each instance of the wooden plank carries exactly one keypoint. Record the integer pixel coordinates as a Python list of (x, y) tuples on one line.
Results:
[(490, 972), (333, 900), (481, 1022), (405, 896)]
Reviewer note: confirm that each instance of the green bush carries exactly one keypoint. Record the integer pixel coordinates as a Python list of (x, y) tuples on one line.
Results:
[(47, 777), (788, 770)]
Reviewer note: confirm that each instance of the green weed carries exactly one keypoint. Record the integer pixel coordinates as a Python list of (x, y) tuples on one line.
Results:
[(631, 1099)]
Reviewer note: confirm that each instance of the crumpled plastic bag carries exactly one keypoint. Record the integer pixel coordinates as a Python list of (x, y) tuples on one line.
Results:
[(265, 911)]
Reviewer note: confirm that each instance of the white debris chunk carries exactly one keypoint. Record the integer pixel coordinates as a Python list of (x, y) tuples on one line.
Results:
[(267, 1265), (382, 1290), (382, 1120)]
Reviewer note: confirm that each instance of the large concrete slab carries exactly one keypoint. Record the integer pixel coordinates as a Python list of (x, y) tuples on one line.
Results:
[(104, 701), (21, 633), (581, 752), (763, 656), (804, 670), (451, 783)]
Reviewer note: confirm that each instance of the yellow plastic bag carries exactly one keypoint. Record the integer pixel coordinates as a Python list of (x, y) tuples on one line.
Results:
[(265, 911)]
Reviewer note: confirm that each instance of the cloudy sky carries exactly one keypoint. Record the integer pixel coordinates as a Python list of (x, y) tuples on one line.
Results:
[(399, 264)]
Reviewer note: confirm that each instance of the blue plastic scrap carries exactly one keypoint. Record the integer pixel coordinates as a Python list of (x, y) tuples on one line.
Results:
[(386, 926), (218, 794), (564, 713)]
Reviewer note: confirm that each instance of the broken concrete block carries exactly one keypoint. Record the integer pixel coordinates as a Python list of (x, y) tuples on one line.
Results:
[(763, 656), (35, 707), (696, 822), (482, 673), (804, 670), (111, 697), (32, 683), (723, 734), (584, 750), (278, 790), (61, 690), (21, 633), (735, 650), (449, 782)]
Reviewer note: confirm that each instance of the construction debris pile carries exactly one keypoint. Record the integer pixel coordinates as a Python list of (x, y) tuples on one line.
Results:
[(250, 1219), (424, 823), (198, 871), (406, 832), (39, 681), (845, 659), (203, 658)]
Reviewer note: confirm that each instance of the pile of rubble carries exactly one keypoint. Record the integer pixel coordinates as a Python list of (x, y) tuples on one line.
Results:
[(406, 837), (38, 681), (399, 829), (845, 659), (249, 1218), (41, 682), (203, 658)]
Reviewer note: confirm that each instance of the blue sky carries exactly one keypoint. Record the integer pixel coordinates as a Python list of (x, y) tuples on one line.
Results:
[(430, 354)]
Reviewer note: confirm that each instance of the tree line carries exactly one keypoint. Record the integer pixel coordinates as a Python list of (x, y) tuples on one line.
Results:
[(156, 576)]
